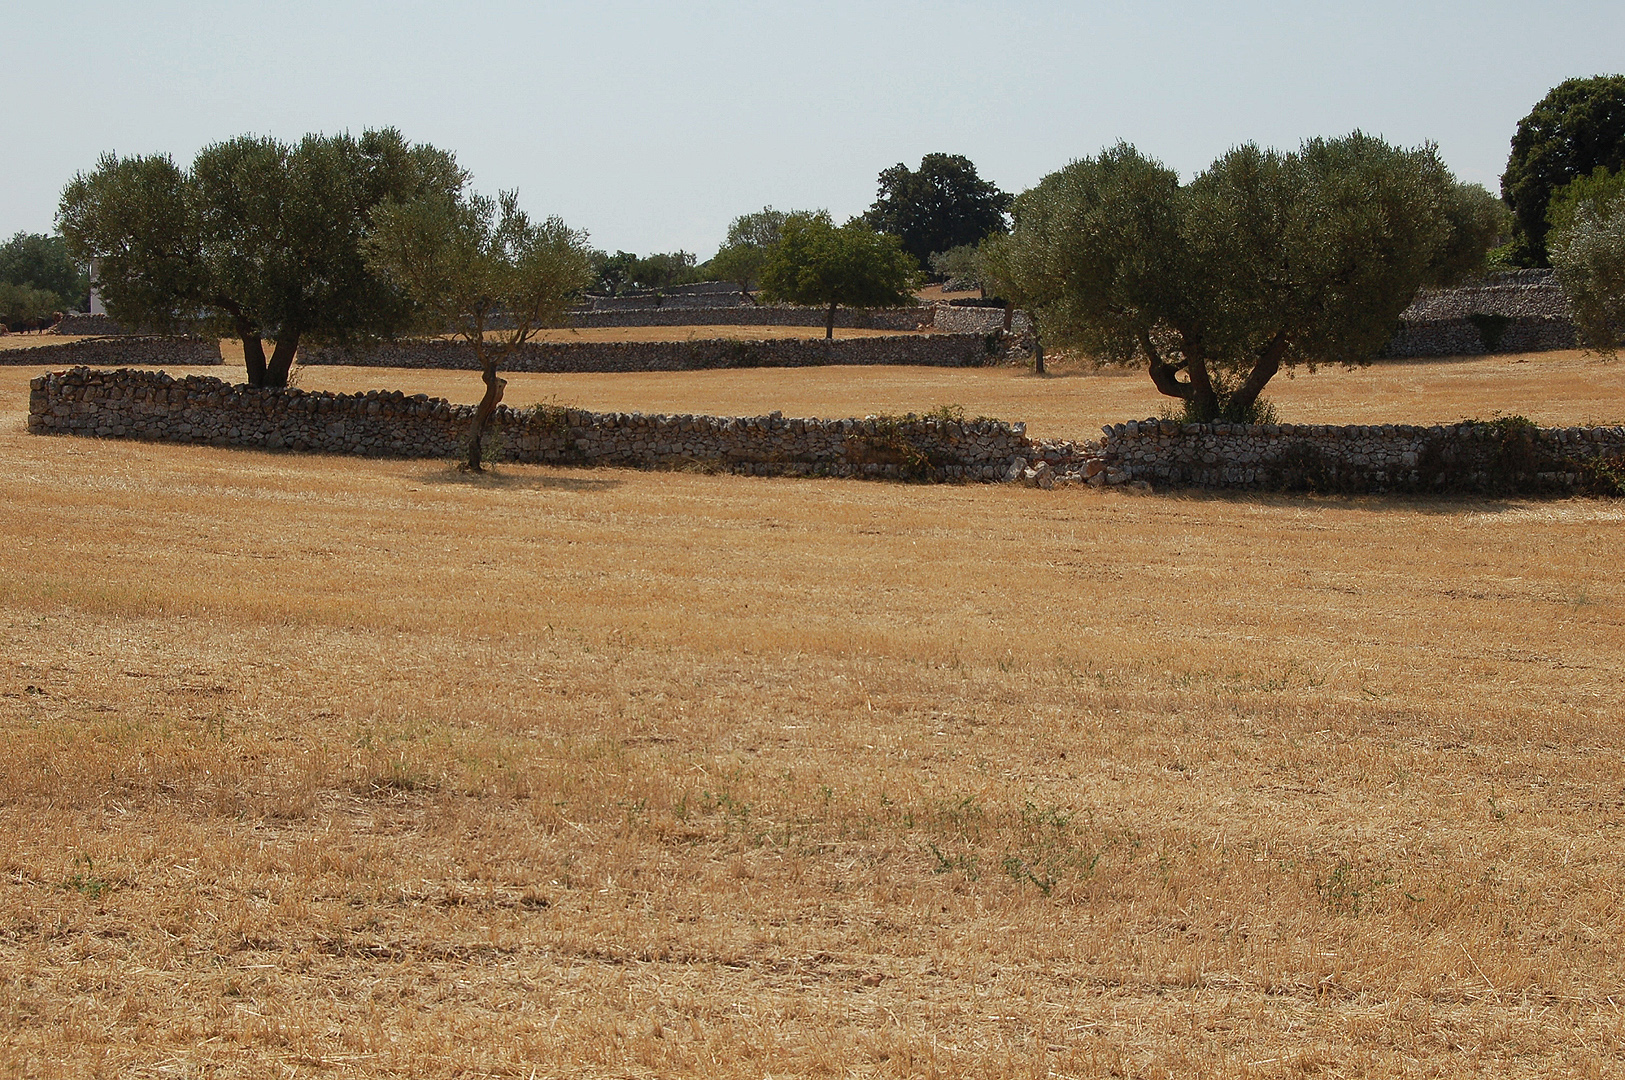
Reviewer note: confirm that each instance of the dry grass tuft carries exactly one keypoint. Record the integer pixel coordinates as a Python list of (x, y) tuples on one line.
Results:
[(346, 767)]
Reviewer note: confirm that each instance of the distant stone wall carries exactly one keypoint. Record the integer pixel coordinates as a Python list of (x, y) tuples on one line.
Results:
[(82, 325), (933, 350), (131, 404), (1511, 312), (699, 294), (1519, 294), (954, 319), (916, 317), (1464, 337), (114, 351), (1487, 458)]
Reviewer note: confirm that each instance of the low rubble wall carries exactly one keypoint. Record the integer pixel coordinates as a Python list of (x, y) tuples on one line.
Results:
[(151, 405), (1497, 457), (1464, 337), (934, 350), (1503, 457), (908, 318), (114, 351)]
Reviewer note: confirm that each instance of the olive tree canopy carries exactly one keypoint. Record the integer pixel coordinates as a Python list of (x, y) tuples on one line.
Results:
[(1265, 260), (1587, 244), (466, 260), (744, 255), (259, 239)]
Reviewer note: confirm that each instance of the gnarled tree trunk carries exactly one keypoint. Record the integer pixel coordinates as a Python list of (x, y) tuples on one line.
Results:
[(829, 324), (1196, 389), (253, 357), (1264, 369), (482, 415), (253, 347), (276, 372)]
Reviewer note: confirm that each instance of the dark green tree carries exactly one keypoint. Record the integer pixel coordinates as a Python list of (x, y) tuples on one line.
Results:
[(1266, 260), (1578, 126), (37, 261), (942, 205), (466, 260), (663, 270), (817, 264), (260, 239), (26, 305), (744, 255), (610, 272)]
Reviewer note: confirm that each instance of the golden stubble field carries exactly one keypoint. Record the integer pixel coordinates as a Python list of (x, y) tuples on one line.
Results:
[(337, 767)]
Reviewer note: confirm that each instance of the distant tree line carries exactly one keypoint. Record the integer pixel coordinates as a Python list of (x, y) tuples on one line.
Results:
[(1265, 261), (38, 279)]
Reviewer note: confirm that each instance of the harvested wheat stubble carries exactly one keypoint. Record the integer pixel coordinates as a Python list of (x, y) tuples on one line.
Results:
[(347, 767)]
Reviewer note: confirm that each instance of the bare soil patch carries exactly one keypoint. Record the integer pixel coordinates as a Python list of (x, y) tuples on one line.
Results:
[(350, 767)]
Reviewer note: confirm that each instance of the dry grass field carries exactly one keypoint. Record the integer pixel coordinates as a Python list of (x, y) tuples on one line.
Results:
[(338, 767)]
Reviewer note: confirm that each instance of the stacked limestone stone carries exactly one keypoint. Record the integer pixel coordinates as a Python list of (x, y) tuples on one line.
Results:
[(915, 317), (955, 319), (932, 350), (1440, 322), (1473, 457), (111, 351), (196, 409), (1359, 458)]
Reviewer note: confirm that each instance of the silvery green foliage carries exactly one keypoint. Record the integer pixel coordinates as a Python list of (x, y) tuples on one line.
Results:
[(1590, 262), (1265, 260)]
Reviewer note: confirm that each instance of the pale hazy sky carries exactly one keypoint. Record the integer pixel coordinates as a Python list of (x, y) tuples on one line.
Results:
[(651, 125)]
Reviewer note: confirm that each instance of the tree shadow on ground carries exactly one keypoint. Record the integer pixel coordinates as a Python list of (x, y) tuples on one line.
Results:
[(513, 478), (1453, 505)]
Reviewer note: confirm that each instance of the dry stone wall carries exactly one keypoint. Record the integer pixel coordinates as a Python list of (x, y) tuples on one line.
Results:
[(82, 325), (953, 319), (1466, 337), (113, 351), (908, 318), (130, 404), (1500, 457), (1516, 311), (935, 350)]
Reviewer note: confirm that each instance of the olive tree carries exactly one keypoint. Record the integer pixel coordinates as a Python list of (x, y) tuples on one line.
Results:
[(1266, 260), (1588, 250), (818, 264), (483, 266), (25, 307), (260, 240)]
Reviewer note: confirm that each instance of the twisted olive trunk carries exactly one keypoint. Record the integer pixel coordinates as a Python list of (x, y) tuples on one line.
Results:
[(487, 408), (281, 362), (1264, 369), (253, 344), (1197, 389), (253, 356)]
